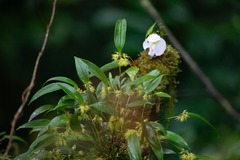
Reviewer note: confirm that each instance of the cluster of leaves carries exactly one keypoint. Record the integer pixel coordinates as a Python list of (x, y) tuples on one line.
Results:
[(109, 121)]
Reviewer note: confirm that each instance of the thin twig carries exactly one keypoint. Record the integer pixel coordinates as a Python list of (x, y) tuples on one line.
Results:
[(27, 91), (191, 63)]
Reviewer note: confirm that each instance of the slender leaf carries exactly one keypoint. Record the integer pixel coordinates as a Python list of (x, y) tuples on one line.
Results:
[(177, 139), (120, 34), (153, 85), (197, 116), (40, 110), (155, 143), (150, 30), (63, 79), (17, 138), (162, 94), (132, 72), (96, 71), (134, 148), (45, 90), (82, 70), (103, 108), (110, 66), (157, 127), (35, 123), (137, 103), (73, 93)]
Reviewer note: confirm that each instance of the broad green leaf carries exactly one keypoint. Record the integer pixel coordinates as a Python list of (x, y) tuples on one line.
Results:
[(45, 90), (103, 108), (134, 148), (157, 127), (59, 121), (150, 30), (40, 139), (110, 66), (72, 92), (64, 104), (40, 110), (120, 34), (177, 139), (96, 71), (82, 70), (132, 72), (139, 80), (162, 94), (154, 72), (39, 123), (137, 103), (63, 79), (74, 124), (153, 85)]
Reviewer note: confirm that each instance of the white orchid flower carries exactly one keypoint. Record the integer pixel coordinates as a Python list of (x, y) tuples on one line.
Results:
[(156, 45)]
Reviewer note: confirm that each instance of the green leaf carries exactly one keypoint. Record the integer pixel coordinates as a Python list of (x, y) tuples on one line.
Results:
[(96, 71), (134, 148), (162, 94), (101, 106), (137, 103), (155, 143), (59, 121), (157, 127), (82, 70), (16, 138), (39, 123), (110, 66), (197, 116), (132, 72), (177, 139), (63, 79), (45, 90), (150, 30), (40, 139), (153, 85), (73, 93), (120, 34), (40, 110), (74, 124)]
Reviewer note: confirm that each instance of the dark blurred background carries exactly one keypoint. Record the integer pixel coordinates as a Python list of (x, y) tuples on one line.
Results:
[(209, 30)]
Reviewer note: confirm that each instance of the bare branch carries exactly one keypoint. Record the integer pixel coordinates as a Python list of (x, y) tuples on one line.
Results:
[(191, 63), (26, 93)]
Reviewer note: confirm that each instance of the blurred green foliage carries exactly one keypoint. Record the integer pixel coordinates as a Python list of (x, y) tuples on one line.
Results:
[(209, 30)]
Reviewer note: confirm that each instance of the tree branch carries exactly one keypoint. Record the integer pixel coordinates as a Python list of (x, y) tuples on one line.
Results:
[(191, 63), (26, 93)]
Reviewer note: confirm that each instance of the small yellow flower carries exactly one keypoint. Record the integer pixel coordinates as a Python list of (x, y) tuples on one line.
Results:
[(89, 86), (115, 56), (183, 116), (185, 155), (84, 108), (123, 62), (118, 93), (97, 119), (103, 92), (129, 133)]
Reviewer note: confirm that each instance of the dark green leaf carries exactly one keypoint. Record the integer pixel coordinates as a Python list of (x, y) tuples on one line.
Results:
[(177, 139), (120, 34), (134, 148), (110, 66), (40, 110), (46, 89), (153, 85), (157, 127), (82, 70), (137, 103), (16, 138), (96, 71), (63, 79), (197, 116), (103, 108), (72, 92), (39, 123), (59, 121)]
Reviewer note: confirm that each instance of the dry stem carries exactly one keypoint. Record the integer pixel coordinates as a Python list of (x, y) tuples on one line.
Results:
[(27, 91)]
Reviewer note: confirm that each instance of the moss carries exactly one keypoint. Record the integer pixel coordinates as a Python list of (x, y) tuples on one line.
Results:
[(168, 65)]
